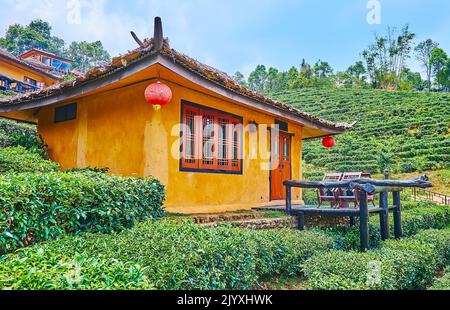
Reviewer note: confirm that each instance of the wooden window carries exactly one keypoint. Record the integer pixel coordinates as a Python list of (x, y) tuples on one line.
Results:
[(286, 149), (211, 140), (283, 126), (30, 81), (66, 113)]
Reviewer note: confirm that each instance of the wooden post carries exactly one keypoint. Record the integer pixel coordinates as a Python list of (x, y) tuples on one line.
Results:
[(363, 221), (352, 221), (158, 35), (397, 216), (301, 221), (384, 216), (288, 200)]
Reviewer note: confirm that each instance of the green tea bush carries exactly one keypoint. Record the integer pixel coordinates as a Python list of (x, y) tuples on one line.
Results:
[(404, 264), (408, 203), (44, 270), (413, 220), (19, 159), (443, 283), (176, 255), (41, 206), (14, 133), (401, 131)]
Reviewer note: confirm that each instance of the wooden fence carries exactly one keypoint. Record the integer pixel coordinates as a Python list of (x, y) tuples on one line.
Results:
[(423, 194)]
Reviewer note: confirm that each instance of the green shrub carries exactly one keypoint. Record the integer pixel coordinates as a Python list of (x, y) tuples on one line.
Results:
[(310, 197), (14, 134), (413, 220), (402, 131), (405, 264), (412, 261), (44, 270), (41, 206), (443, 283), (176, 255), (12, 129), (19, 159), (408, 203), (337, 270)]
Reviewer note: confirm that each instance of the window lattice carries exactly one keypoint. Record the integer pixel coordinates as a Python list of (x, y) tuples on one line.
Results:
[(190, 134), (211, 140)]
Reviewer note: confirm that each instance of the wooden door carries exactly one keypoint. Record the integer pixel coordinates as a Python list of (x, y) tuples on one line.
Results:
[(281, 165)]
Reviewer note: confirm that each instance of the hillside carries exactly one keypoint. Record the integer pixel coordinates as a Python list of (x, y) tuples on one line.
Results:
[(403, 131)]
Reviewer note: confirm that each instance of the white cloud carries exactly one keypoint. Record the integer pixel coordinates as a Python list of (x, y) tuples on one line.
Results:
[(96, 23), (199, 28)]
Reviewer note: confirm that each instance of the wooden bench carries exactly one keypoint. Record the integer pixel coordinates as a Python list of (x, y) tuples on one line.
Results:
[(363, 187)]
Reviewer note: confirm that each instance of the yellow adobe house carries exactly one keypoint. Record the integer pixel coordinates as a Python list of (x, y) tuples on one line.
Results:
[(27, 72), (216, 146)]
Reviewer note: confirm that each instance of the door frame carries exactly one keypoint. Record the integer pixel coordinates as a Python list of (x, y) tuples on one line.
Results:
[(270, 161)]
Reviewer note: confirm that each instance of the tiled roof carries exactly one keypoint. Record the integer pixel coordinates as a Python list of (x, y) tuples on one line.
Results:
[(32, 65), (52, 55), (207, 72)]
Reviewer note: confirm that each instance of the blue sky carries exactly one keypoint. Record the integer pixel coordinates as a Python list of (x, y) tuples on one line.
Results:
[(237, 35)]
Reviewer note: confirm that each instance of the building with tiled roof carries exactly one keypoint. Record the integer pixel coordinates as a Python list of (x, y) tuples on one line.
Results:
[(216, 146), (23, 75)]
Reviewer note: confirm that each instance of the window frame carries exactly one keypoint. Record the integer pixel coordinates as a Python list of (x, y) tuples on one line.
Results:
[(66, 118), (30, 81), (198, 165)]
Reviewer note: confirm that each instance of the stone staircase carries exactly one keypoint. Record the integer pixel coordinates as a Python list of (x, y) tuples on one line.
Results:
[(256, 220), (259, 219)]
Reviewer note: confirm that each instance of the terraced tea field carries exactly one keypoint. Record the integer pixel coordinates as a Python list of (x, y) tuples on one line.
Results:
[(403, 131)]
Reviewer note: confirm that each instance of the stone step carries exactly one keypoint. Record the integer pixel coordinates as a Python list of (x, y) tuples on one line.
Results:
[(226, 217), (259, 224)]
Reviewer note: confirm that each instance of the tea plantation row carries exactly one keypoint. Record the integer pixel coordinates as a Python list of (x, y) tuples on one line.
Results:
[(398, 265), (172, 255), (402, 131)]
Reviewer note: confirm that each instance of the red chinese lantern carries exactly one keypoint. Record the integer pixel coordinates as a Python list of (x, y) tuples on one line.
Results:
[(158, 94), (328, 142)]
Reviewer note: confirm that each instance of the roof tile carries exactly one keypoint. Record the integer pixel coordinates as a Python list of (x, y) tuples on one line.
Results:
[(207, 72)]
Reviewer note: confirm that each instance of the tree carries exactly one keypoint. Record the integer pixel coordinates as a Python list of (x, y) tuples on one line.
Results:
[(37, 34), (400, 48), (438, 63), (87, 55), (293, 79), (240, 79), (305, 70), (411, 80), (41, 27), (257, 78), (386, 57), (357, 70), (322, 69), (355, 75), (275, 81), (343, 79), (423, 53), (444, 76)]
